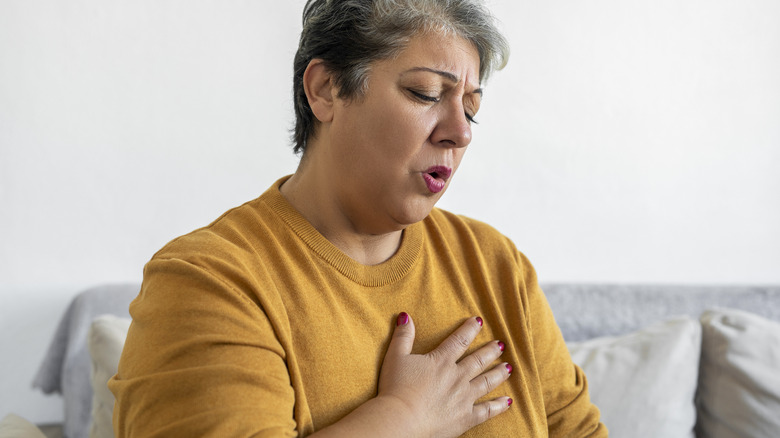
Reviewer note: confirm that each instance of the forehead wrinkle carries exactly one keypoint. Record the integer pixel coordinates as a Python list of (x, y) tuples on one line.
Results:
[(445, 74), (449, 76)]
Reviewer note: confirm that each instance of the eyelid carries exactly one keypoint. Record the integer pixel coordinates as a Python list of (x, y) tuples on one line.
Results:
[(473, 108), (425, 97)]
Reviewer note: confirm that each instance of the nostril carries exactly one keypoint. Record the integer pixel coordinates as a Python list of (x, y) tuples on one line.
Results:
[(450, 143)]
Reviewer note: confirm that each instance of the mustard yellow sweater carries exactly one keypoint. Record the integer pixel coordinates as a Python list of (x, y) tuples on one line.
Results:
[(256, 325)]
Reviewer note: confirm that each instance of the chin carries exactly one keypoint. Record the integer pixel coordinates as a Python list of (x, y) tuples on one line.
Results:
[(415, 213)]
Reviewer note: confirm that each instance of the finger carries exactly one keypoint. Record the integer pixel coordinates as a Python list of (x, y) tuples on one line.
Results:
[(477, 362), (489, 409), (488, 381), (403, 337), (458, 342)]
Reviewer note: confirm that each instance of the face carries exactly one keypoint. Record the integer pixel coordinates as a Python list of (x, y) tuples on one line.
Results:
[(394, 150)]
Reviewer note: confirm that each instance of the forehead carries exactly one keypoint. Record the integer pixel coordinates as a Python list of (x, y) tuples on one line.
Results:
[(450, 54)]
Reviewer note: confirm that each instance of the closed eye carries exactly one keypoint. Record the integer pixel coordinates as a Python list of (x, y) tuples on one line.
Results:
[(424, 97), (431, 99)]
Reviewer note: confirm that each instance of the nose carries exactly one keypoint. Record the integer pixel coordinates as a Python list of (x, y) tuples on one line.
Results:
[(453, 129)]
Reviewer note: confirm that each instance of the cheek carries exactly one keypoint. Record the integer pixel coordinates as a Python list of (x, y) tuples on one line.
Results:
[(405, 133), (458, 156), (412, 122)]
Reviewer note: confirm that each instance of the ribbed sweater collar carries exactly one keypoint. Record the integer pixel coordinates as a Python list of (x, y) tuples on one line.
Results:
[(382, 274)]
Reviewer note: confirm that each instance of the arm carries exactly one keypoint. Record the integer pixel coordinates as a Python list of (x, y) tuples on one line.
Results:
[(200, 359), (565, 389)]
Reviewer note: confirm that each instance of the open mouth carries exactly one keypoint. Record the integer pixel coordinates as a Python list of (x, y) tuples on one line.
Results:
[(436, 178), (439, 172)]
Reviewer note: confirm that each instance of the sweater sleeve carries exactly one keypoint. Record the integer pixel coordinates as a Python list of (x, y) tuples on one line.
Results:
[(201, 359), (569, 410)]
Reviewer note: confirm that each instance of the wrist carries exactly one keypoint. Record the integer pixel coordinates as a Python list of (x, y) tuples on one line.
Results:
[(382, 416)]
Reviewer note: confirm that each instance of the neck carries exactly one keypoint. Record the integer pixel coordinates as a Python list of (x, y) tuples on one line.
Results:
[(318, 202)]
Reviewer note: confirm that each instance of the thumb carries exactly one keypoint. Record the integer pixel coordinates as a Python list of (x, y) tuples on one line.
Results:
[(403, 337)]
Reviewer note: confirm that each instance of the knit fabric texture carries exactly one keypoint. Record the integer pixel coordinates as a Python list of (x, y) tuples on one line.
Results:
[(257, 325)]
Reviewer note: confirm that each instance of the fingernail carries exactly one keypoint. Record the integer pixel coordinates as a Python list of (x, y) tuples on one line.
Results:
[(403, 318), (501, 345), (509, 368), (509, 402), (479, 320)]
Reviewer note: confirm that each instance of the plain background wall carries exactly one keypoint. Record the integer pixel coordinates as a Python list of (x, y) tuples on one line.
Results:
[(627, 141)]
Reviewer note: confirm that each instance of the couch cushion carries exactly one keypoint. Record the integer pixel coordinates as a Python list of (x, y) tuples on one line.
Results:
[(105, 340), (739, 385), (66, 367), (14, 426), (644, 382)]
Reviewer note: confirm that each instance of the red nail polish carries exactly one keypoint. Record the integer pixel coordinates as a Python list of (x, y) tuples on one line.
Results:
[(403, 318), (501, 345), (509, 368), (509, 402), (479, 320)]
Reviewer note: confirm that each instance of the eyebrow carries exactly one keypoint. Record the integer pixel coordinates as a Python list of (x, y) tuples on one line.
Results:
[(444, 74)]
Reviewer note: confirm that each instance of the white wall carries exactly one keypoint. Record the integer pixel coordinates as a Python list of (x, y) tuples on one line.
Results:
[(627, 141)]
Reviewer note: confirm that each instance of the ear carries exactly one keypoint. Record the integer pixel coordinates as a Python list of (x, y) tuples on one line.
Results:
[(319, 89)]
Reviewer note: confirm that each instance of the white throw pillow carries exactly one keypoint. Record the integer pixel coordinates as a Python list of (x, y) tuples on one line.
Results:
[(739, 386), (644, 382), (106, 339), (14, 426)]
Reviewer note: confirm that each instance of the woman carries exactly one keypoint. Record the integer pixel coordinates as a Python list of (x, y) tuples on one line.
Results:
[(287, 316)]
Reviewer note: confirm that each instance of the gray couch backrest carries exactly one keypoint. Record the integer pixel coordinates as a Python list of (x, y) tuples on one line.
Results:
[(587, 311)]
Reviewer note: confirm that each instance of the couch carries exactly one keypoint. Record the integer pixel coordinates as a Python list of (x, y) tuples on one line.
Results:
[(662, 361)]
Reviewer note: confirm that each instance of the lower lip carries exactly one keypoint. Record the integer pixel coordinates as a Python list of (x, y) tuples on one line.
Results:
[(434, 185)]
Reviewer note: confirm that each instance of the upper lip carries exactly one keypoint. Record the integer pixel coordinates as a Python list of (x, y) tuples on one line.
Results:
[(442, 172)]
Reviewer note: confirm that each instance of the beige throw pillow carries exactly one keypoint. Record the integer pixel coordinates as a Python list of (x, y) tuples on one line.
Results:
[(14, 426), (739, 386), (106, 339), (644, 382)]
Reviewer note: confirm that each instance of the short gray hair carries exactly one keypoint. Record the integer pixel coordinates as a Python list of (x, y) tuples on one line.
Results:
[(349, 35)]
